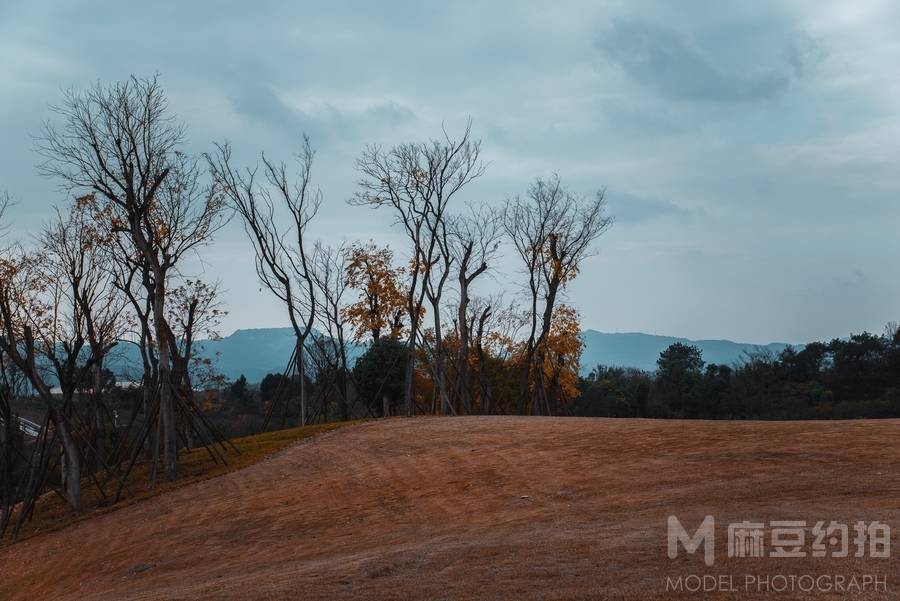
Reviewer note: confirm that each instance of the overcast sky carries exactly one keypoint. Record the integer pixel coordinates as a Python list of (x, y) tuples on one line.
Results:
[(749, 151)]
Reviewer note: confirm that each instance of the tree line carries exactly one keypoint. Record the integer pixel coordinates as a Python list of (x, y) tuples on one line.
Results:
[(111, 267), (856, 377)]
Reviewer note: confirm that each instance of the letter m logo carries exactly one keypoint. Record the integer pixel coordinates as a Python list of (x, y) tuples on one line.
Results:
[(705, 535)]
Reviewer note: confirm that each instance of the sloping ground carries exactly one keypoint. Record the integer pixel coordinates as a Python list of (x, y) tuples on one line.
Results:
[(53, 513), (479, 508)]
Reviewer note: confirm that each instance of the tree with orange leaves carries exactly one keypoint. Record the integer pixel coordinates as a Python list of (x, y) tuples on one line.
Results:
[(417, 182), (552, 230), (560, 356), (382, 300)]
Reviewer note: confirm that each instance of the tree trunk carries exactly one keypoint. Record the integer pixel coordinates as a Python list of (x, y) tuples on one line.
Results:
[(345, 402), (465, 397), (71, 465), (186, 386), (166, 398), (408, 383), (525, 383), (440, 372), (147, 399), (301, 369), (99, 434)]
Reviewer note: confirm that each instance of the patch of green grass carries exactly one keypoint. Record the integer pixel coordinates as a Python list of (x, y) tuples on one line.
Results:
[(52, 513)]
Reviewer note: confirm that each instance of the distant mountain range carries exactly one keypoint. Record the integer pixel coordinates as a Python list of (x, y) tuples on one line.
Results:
[(634, 349), (255, 353)]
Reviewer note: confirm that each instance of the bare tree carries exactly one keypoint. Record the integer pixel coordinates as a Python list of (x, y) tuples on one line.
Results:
[(283, 255), (332, 283), (9, 435), (418, 181), (475, 242), (60, 319), (76, 254), (495, 326), (552, 230), (37, 325), (439, 274), (195, 310), (120, 145), (4, 205), (132, 279), (19, 287), (75, 251)]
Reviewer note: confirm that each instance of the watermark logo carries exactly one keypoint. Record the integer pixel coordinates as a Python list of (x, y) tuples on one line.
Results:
[(705, 535), (746, 539), (780, 539), (783, 539)]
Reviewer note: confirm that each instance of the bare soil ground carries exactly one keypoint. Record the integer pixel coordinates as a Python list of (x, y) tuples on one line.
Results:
[(480, 508)]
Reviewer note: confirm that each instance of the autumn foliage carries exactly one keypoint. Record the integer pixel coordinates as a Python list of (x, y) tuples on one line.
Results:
[(382, 301)]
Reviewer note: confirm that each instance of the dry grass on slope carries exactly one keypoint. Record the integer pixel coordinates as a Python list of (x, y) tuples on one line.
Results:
[(196, 465)]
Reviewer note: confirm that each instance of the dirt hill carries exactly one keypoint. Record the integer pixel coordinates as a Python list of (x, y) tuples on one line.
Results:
[(478, 508)]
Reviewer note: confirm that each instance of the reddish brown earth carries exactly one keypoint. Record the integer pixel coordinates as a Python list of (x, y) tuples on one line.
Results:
[(480, 508)]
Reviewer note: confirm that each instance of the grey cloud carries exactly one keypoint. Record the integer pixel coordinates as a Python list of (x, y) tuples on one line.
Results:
[(261, 103), (715, 126), (805, 54), (853, 279), (631, 209), (391, 113), (667, 61)]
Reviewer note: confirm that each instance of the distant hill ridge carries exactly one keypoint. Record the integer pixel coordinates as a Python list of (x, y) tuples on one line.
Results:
[(257, 352), (635, 349)]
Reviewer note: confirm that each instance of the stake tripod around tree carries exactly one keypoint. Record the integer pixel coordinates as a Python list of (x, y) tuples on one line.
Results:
[(191, 421), (12, 459), (119, 148), (282, 393), (64, 436), (66, 433), (283, 255)]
